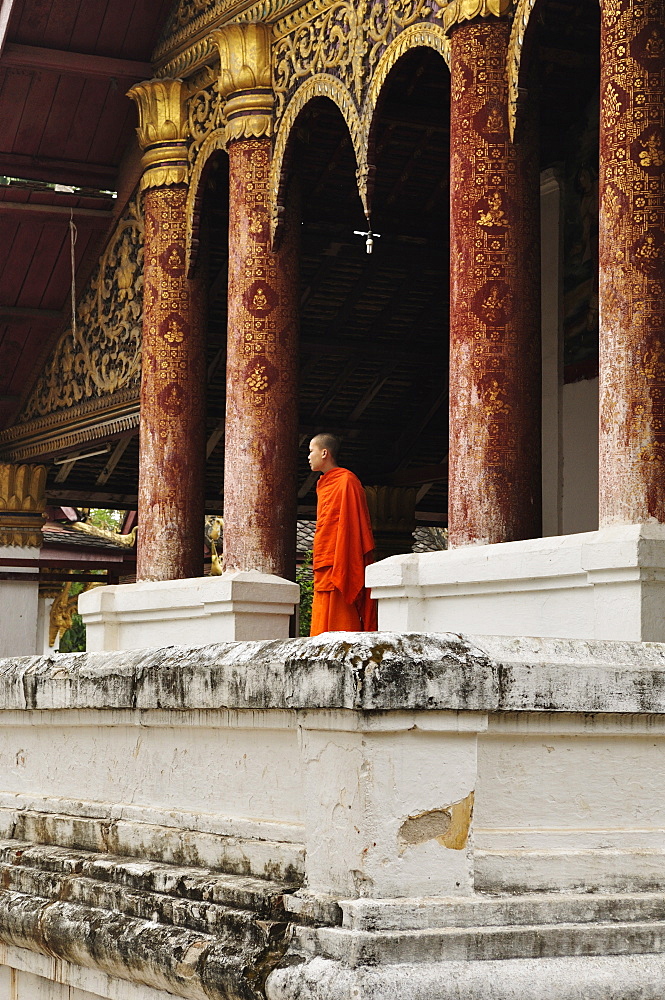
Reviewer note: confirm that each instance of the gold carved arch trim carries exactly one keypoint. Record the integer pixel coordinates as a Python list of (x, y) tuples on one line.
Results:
[(523, 12), (321, 85), (207, 132), (357, 44)]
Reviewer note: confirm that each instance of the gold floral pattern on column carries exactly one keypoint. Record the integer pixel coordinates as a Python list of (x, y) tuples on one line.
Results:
[(632, 262)]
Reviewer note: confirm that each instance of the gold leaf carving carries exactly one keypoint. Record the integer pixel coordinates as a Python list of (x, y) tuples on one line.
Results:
[(245, 79), (104, 354), (162, 131), (22, 502), (161, 110), (63, 609), (345, 52), (520, 23), (458, 11), (331, 41)]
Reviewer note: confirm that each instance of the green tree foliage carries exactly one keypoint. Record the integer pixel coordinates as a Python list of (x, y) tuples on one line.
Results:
[(305, 577), (73, 640), (111, 520)]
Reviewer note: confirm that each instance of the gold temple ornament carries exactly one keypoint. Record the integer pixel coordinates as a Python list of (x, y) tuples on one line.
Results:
[(162, 131)]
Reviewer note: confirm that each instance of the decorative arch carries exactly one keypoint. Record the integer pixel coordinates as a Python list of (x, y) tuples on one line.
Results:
[(215, 142), (416, 36), (523, 12), (321, 85)]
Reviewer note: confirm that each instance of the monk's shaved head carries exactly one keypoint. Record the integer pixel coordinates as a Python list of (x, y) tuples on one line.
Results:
[(330, 442)]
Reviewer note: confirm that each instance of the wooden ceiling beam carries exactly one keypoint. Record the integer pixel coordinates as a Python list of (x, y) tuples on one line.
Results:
[(408, 440), (25, 314), (54, 171), (368, 396), (328, 345), (330, 394), (118, 452), (65, 63), (419, 476), (33, 211)]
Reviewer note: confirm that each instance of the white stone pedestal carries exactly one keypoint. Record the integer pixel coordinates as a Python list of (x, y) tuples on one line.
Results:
[(234, 606), (607, 584)]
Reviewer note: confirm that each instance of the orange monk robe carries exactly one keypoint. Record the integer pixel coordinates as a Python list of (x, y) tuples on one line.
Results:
[(343, 546)]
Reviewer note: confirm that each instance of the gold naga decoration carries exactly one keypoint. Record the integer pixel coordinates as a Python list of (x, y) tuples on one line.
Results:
[(162, 131), (64, 607), (22, 504), (103, 354), (213, 533)]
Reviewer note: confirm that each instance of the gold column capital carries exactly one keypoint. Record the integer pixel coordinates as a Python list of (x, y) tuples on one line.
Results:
[(162, 131), (458, 11), (245, 79), (22, 504)]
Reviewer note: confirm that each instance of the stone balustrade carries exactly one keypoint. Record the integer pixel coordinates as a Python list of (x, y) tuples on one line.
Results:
[(373, 815)]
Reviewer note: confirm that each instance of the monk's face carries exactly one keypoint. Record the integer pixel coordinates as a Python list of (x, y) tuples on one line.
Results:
[(317, 456)]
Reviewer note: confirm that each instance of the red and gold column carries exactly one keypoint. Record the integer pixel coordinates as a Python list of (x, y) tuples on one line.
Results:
[(261, 365), (632, 262), (172, 423), (495, 470)]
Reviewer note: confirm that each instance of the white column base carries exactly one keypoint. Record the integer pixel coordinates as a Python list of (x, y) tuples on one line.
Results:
[(235, 606), (607, 584), (19, 605)]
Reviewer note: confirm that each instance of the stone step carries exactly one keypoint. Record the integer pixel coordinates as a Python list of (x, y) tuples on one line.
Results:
[(482, 943), (193, 932), (503, 910), (263, 897), (172, 845)]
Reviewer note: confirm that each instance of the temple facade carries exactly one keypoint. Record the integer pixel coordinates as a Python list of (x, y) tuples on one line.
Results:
[(435, 228)]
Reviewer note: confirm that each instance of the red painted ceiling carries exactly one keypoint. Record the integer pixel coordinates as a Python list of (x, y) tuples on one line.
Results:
[(65, 68)]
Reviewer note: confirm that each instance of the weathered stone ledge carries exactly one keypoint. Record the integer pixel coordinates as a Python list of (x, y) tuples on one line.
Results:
[(178, 846), (371, 672), (638, 977), (195, 933)]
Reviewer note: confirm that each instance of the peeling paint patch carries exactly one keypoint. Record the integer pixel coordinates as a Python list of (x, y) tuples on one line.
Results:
[(449, 825), (426, 826)]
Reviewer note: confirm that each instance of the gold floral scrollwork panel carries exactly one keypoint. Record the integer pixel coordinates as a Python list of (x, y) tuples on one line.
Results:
[(355, 49), (103, 354), (205, 116)]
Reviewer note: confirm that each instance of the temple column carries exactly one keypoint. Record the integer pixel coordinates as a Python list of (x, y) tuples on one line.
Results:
[(172, 427), (261, 383), (632, 263), (495, 474)]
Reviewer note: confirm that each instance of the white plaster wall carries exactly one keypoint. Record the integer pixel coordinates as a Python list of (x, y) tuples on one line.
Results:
[(569, 412), (580, 456), (183, 762), (363, 788), (25, 975), (44, 626), (551, 783), (19, 607), (576, 810)]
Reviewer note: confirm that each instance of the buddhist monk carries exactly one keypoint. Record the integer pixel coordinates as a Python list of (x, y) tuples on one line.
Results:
[(343, 545)]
